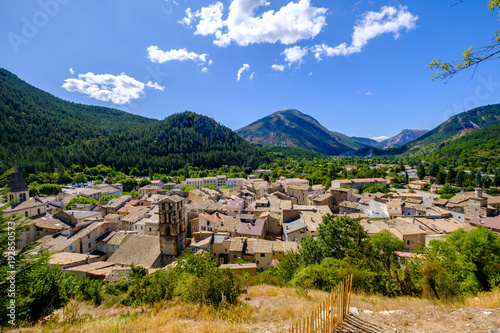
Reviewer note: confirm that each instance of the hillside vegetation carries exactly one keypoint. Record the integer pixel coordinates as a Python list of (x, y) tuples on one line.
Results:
[(476, 118), (45, 133), (484, 142)]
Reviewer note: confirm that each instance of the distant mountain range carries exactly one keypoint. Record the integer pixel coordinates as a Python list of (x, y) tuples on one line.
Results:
[(295, 129), (43, 133)]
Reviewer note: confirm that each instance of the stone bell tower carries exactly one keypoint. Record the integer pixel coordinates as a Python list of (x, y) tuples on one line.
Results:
[(18, 189), (172, 228)]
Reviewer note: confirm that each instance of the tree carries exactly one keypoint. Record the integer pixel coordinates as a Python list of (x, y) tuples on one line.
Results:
[(466, 262), (433, 169), (421, 171), (440, 178), (80, 178), (310, 251), (339, 237), (471, 57), (129, 184), (144, 182), (459, 179), (49, 189), (26, 279), (451, 175)]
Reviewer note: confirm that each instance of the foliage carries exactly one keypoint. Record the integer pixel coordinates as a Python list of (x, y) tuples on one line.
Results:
[(337, 238), (129, 184), (45, 133), (465, 263), (49, 189), (39, 288), (470, 58), (80, 200), (187, 188), (195, 279), (374, 188), (144, 182), (447, 191)]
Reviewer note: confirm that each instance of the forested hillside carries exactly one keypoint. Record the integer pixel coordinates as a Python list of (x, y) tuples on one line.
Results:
[(44, 132), (484, 143)]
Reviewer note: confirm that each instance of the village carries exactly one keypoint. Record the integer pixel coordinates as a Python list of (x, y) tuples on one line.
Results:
[(246, 224)]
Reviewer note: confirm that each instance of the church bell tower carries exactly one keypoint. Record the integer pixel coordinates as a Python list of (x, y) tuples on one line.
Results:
[(172, 228)]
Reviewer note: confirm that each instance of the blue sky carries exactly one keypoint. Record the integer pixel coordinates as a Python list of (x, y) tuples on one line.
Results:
[(357, 67)]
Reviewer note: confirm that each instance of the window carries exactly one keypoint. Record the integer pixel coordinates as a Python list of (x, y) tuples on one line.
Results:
[(149, 229), (26, 214), (71, 247), (142, 228), (114, 247), (89, 245), (407, 242), (257, 262), (262, 255)]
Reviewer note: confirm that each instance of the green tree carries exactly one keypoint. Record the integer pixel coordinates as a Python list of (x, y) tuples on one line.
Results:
[(440, 178), (433, 169), (421, 173), (76, 201), (80, 178), (144, 182), (340, 237), (50, 189), (25, 276), (310, 251), (129, 184)]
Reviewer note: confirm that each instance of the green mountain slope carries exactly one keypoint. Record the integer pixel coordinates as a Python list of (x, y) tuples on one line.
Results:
[(477, 118), (479, 143), (295, 129), (44, 132)]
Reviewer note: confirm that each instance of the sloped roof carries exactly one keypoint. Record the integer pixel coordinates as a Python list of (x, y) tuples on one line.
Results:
[(140, 250)]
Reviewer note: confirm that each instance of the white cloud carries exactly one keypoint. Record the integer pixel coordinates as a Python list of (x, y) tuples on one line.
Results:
[(289, 24), (204, 69), (155, 85), (252, 76), (294, 55), (210, 62), (369, 93), (157, 55), (118, 89), (72, 71), (373, 24), (380, 138), (245, 67), (280, 68), (210, 19), (187, 19)]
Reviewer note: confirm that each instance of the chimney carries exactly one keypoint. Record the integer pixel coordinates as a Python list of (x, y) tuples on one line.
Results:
[(478, 192)]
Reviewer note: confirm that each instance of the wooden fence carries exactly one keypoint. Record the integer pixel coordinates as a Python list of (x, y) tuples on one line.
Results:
[(330, 314)]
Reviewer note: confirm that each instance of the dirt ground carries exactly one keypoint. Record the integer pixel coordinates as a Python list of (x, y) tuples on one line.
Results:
[(421, 318)]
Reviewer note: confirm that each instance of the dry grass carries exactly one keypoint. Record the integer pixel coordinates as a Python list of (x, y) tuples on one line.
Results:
[(263, 309), (486, 300)]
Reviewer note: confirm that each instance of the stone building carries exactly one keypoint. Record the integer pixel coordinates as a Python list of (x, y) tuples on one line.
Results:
[(172, 228)]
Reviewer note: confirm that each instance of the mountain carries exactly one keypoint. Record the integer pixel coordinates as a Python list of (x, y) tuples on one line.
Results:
[(477, 118), (406, 135), (461, 125), (295, 129), (43, 132)]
